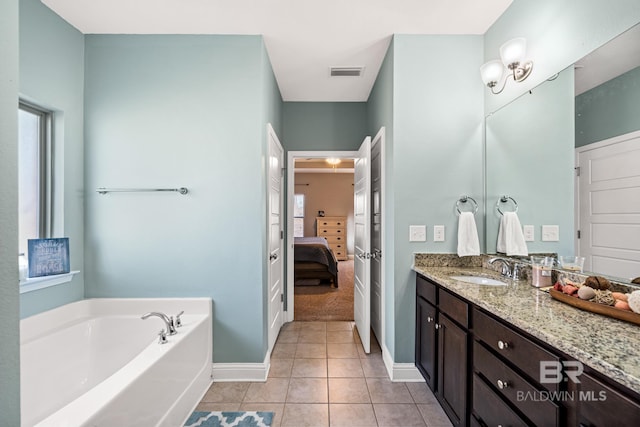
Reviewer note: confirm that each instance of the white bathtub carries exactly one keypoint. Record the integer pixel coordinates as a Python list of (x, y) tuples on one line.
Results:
[(96, 363)]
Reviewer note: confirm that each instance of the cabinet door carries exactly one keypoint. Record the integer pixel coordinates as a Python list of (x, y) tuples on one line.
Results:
[(600, 405), (426, 341), (452, 370)]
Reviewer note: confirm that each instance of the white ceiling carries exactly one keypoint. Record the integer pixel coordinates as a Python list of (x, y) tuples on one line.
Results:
[(303, 37)]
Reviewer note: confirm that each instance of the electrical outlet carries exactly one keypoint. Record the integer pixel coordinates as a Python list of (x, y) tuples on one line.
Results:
[(438, 233), (417, 233), (528, 233), (550, 233)]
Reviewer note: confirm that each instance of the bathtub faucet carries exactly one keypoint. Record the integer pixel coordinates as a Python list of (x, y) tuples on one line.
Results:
[(168, 321)]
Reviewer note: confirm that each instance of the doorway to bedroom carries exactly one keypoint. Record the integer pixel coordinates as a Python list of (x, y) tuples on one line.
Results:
[(323, 231)]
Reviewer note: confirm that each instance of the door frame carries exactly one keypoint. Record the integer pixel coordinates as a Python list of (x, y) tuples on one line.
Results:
[(291, 156)]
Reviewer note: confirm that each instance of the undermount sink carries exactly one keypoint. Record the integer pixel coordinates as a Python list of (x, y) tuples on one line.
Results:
[(479, 280)]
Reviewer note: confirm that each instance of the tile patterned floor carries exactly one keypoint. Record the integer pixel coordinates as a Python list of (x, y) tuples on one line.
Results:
[(321, 377)]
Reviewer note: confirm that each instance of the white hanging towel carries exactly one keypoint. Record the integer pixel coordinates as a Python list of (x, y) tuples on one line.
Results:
[(510, 237), (468, 243)]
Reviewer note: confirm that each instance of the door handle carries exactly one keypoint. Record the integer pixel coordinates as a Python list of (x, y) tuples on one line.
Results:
[(273, 256)]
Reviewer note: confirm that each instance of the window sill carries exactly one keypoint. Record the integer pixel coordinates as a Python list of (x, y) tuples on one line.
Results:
[(36, 283)]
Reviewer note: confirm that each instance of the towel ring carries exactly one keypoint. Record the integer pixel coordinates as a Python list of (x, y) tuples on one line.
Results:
[(505, 199), (465, 199)]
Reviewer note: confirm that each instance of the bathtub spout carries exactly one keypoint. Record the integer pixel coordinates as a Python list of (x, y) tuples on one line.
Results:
[(168, 321)]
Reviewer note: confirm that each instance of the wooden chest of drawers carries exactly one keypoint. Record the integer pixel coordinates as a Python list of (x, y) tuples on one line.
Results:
[(334, 229)]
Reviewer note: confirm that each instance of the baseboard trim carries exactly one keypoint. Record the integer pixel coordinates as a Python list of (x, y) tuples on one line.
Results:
[(400, 372), (226, 372)]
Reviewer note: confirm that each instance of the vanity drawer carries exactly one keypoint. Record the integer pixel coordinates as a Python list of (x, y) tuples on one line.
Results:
[(489, 409), (512, 346), (513, 387), (426, 289), (454, 307)]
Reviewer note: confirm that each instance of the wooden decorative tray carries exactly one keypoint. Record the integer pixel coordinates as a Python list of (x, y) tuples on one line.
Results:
[(595, 307)]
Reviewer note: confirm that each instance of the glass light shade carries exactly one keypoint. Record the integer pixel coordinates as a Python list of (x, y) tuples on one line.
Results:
[(513, 51), (492, 72)]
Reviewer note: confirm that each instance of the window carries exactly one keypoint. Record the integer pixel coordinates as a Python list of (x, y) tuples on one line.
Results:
[(298, 215), (34, 174)]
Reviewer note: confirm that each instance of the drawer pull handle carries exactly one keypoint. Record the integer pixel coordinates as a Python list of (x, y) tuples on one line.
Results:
[(503, 384), (503, 345)]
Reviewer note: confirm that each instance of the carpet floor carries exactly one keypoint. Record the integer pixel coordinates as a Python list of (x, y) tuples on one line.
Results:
[(324, 303)]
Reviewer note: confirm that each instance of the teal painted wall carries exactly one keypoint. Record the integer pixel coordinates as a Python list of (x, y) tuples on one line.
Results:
[(52, 76), (437, 152), (609, 110), (324, 126), (9, 298), (169, 111), (379, 114), (529, 156)]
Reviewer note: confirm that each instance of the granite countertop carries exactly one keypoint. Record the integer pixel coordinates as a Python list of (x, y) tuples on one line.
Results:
[(607, 345)]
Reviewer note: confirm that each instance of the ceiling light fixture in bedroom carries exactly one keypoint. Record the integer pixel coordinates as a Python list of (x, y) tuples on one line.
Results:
[(333, 162)]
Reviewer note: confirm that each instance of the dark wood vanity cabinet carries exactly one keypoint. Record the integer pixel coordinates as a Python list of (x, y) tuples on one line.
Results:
[(506, 366), (426, 344), (486, 372), (442, 347), (597, 404), (452, 369)]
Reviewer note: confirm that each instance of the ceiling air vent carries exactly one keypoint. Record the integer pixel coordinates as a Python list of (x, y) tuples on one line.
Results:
[(346, 71)]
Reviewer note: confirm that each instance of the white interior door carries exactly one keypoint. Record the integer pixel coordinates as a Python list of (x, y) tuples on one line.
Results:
[(362, 244), (376, 234), (609, 200), (276, 291)]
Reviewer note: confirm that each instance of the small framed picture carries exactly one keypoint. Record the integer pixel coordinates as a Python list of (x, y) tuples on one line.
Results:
[(48, 256), (320, 213)]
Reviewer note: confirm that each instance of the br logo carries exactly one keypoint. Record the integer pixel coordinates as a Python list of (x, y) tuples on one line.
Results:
[(551, 371)]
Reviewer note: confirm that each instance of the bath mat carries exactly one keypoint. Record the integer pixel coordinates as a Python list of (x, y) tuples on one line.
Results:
[(230, 419)]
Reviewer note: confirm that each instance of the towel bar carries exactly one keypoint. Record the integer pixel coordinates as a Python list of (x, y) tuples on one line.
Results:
[(465, 199), (505, 199), (102, 190)]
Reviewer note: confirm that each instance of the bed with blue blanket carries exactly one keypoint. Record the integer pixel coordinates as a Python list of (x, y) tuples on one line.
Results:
[(313, 259)]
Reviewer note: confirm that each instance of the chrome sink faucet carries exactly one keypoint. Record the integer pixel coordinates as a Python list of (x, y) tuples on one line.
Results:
[(168, 321), (515, 273), (506, 267)]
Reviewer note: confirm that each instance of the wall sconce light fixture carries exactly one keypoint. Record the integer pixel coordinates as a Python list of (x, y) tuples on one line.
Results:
[(512, 55)]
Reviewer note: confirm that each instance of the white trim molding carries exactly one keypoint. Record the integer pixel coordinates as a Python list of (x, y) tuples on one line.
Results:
[(35, 283), (248, 372), (400, 372)]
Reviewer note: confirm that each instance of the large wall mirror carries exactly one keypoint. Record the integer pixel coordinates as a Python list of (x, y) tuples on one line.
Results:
[(532, 147)]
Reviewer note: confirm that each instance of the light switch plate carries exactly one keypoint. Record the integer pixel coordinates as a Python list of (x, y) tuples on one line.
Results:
[(438, 233), (528, 231), (417, 233), (550, 233)]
